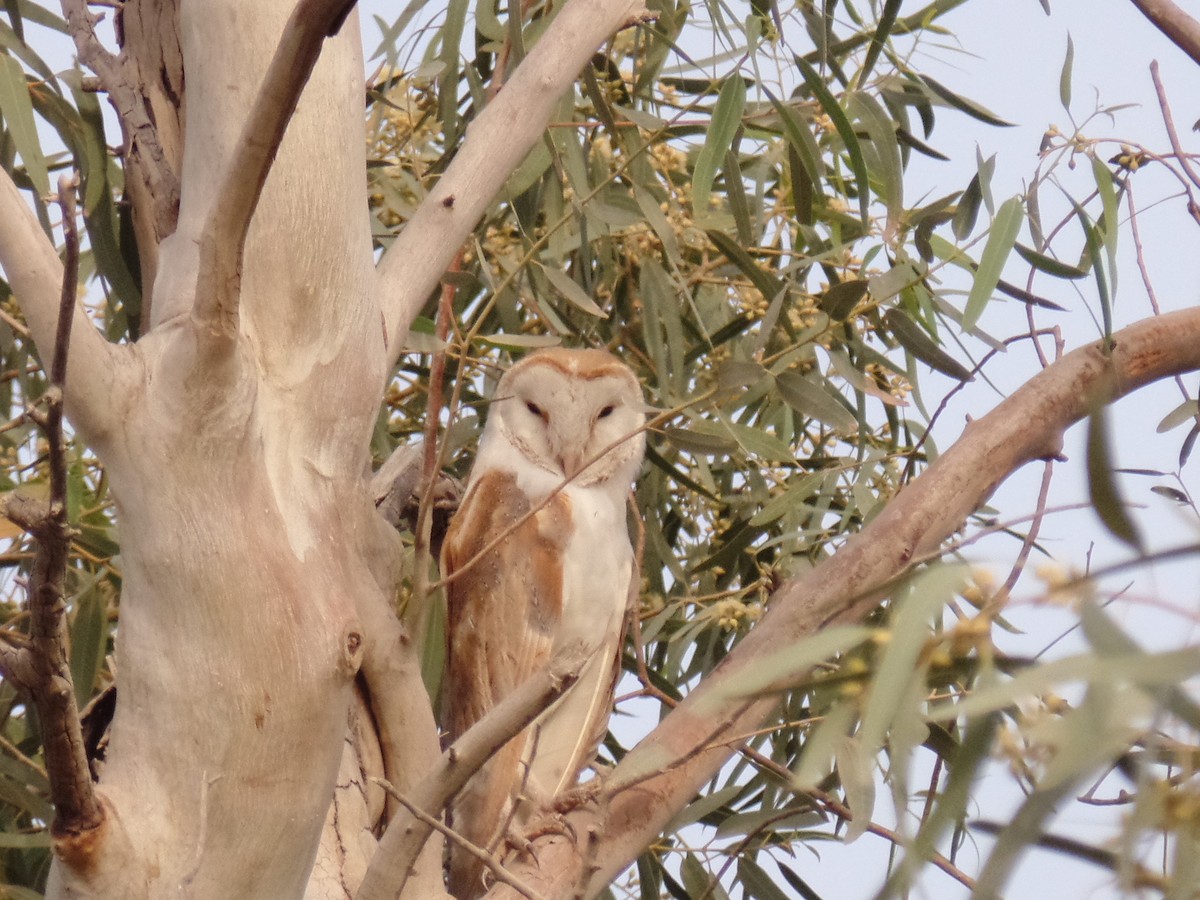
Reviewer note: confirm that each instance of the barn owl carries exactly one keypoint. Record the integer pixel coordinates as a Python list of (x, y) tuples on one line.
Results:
[(561, 577)]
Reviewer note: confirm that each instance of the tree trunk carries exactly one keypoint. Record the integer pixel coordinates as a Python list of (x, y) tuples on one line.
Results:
[(245, 527)]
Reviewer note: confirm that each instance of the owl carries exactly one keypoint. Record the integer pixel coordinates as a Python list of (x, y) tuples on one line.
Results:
[(562, 576)]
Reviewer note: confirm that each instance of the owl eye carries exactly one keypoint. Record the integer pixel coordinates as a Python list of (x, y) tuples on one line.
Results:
[(606, 412), (535, 409)]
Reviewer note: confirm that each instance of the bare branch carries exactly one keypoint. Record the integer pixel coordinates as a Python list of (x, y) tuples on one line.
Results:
[(1182, 29), (495, 144), (648, 787), (223, 240), (42, 668), (403, 717), (144, 149), (402, 842), (1172, 134), (97, 371), (482, 855)]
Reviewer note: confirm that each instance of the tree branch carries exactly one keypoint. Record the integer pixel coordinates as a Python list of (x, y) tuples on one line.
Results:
[(402, 842), (482, 855), (1182, 29), (42, 668), (223, 240), (661, 775), (144, 149), (495, 144), (97, 372)]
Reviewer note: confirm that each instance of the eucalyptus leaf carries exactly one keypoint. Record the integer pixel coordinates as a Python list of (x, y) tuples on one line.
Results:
[(1001, 239)]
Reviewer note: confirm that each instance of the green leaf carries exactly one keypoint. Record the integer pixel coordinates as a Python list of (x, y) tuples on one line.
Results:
[(912, 337), (759, 443), (782, 669), (14, 44), (887, 18), (566, 285), (970, 107), (13, 8), (967, 210), (1049, 264), (1094, 244), (1109, 639), (882, 131), (800, 139), (1102, 485), (488, 22), (813, 400), (89, 640), (840, 300), (798, 884), (856, 771), (954, 800), (1001, 238), (657, 285), (17, 110), (1185, 412), (1064, 77), (16, 892), (845, 131), (99, 206), (1133, 668), (530, 170), (726, 117), (767, 283), (820, 746), (1106, 188), (662, 227), (451, 39), (519, 341), (739, 205), (698, 881), (18, 795), (916, 604), (756, 882), (703, 442)]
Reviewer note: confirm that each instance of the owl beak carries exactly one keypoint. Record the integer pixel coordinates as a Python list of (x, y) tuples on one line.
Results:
[(570, 463)]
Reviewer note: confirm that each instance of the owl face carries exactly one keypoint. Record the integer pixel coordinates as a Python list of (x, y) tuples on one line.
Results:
[(560, 408)]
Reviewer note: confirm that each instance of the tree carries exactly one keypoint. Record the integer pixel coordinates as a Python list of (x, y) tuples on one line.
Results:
[(743, 238)]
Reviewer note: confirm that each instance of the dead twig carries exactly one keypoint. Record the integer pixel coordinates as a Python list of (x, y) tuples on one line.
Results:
[(498, 871), (406, 835), (40, 664)]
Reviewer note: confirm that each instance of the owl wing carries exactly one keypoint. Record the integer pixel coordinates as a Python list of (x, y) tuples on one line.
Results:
[(571, 732), (502, 614)]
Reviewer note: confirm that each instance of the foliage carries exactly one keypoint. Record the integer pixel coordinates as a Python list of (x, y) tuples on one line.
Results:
[(725, 204)]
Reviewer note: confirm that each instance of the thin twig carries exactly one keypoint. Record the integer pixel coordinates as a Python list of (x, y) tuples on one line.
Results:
[(839, 809), (1172, 134), (401, 844), (431, 453), (498, 871), (1144, 271), (42, 667)]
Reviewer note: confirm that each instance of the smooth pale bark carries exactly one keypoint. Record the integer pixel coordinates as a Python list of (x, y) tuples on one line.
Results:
[(246, 532)]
